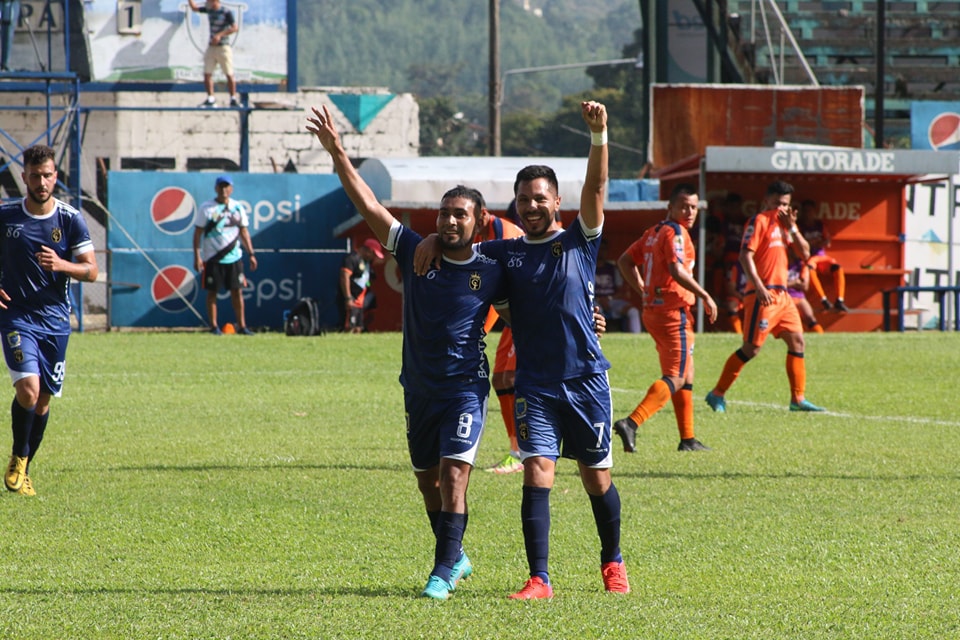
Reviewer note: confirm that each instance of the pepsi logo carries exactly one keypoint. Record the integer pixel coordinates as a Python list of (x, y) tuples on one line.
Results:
[(172, 210), (174, 288), (944, 132)]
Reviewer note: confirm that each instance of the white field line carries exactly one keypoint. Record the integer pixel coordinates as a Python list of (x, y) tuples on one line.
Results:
[(833, 414)]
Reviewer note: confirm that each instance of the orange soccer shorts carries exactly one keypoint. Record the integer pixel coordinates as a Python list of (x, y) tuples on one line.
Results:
[(780, 316), (824, 264), (672, 330)]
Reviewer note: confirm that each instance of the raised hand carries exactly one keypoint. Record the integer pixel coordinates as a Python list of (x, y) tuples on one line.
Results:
[(321, 125)]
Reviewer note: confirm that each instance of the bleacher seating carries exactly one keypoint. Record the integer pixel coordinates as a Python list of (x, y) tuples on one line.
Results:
[(838, 38)]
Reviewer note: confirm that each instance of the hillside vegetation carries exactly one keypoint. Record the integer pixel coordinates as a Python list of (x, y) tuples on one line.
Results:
[(440, 47)]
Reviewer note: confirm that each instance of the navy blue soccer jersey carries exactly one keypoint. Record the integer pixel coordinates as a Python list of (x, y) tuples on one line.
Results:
[(550, 288), (39, 298), (443, 316)]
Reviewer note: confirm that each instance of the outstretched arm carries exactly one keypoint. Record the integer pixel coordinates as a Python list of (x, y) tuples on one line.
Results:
[(376, 215), (592, 194)]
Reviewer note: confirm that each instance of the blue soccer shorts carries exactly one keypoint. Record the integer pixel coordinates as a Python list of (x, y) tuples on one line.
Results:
[(31, 352), (445, 427), (569, 419)]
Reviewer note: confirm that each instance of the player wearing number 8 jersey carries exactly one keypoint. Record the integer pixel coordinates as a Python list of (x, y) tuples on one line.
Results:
[(44, 243), (768, 307), (445, 375)]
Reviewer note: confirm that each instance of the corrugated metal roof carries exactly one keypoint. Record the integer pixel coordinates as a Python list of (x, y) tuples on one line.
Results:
[(426, 179)]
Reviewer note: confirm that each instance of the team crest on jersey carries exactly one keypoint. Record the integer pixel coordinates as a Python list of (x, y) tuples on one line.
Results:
[(748, 233), (520, 407), (556, 249), (764, 324), (13, 339), (17, 355), (475, 281), (56, 234)]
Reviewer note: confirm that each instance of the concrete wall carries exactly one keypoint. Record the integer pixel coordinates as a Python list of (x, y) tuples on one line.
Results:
[(276, 125)]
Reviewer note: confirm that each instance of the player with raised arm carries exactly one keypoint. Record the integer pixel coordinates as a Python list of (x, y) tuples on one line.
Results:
[(666, 254), (44, 243), (768, 307), (445, 374), (563, 401)]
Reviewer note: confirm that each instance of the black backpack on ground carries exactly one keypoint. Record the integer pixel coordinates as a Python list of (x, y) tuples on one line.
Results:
[(303, 319)]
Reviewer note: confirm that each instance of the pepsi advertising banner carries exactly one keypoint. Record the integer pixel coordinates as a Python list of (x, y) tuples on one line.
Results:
[(150, 237), (935, 125)]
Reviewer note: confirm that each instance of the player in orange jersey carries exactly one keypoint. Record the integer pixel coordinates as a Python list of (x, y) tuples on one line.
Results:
[(767, 305), (505, 364), (666, 255)]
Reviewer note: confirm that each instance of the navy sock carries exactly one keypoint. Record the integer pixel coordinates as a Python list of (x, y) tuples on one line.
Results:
[(434, 520), (535, 516), (450, 528), (606, 513), (36, 434), (22, 421)]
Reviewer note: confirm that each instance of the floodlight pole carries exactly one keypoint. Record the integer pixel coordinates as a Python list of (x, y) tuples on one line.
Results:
[(493, 93)]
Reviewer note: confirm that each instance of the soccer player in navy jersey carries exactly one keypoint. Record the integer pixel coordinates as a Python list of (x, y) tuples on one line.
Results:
[(43, 244), (445, 374), (563, 403)]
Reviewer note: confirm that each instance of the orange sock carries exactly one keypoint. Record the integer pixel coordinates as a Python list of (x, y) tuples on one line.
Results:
[(815, 283), (816, 328), (657, 396), (731, 369), (507, 407), (841, 281), (683, 407), (797, 375)]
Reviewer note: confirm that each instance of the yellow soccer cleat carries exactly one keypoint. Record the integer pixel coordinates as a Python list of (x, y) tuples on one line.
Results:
[(26, 489), (16, 472)]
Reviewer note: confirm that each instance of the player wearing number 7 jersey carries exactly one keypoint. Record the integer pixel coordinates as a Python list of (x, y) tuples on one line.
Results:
[(43, 244)]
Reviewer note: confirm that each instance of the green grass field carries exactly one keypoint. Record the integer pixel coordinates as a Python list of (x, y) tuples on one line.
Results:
[(192, 486)]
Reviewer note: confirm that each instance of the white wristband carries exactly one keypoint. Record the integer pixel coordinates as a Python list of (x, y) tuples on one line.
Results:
[(598, 139)]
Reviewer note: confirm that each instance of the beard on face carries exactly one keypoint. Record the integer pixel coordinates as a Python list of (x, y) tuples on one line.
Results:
[(464, 241), (32, 193)]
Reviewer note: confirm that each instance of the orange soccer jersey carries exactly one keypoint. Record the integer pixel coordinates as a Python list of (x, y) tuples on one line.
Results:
[(659, 246), (666, 304), (767, 239)]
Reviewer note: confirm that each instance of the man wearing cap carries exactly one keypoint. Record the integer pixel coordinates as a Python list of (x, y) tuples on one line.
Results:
[(354, 296), (221, 224)]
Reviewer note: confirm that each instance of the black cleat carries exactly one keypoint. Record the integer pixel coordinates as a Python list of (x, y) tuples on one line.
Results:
[(627, 430), (826, 304), (692, 444), (839, 306)]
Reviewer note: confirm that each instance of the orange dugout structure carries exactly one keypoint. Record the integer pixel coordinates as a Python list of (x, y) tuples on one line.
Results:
[(860, 195)]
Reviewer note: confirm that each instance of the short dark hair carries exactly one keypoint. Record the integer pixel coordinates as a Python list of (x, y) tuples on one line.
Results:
[(779, 188), (461, 191), (534, 171), (38, 154), (682, 190)]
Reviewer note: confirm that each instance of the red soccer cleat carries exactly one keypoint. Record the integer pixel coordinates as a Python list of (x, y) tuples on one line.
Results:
[(615, 577), (534, 589)]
